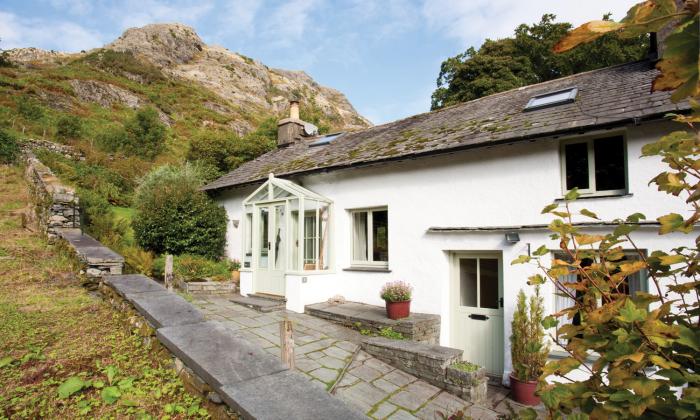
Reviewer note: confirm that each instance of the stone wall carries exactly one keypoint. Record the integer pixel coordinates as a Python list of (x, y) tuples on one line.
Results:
[(424, 328), (57, 205), (31, 144), (432, 363), (206, 287)]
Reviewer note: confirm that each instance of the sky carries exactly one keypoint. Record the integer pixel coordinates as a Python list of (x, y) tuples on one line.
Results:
[(385, 55)]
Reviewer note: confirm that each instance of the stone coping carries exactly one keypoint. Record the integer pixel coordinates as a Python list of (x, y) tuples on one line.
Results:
[(88, 248), (430, 351), (418, 326), (165, 309), (132, 283)]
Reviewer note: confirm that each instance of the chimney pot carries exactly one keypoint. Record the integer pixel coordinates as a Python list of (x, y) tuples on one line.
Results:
[(294, 109)]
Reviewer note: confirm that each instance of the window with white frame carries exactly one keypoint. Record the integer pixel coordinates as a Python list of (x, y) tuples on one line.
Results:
[(595, 166), (637, 282), (370, 237)]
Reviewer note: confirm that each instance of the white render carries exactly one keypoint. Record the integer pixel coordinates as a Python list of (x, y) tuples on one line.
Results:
[(505, 185)]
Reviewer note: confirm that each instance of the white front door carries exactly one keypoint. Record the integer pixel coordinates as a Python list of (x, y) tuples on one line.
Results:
[(477, 309), (271, 249)]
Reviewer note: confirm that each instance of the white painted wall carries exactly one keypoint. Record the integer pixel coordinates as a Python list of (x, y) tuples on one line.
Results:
[(496, 186)]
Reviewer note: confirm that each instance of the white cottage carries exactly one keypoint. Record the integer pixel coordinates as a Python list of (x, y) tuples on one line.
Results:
[(447, 199)]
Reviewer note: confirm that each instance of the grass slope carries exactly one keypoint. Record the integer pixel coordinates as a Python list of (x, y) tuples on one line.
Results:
[(51, 329)]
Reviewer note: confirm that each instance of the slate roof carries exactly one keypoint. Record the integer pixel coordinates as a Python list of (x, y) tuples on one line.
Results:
[(606, 97)]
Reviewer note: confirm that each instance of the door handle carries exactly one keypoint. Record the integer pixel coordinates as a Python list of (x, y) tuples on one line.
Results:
[(478, 317)]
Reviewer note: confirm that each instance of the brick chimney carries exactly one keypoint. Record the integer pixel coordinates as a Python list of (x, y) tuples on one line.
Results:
[(293, 129)]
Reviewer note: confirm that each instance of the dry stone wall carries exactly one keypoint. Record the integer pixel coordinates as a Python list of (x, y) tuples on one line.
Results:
[(57, 205)]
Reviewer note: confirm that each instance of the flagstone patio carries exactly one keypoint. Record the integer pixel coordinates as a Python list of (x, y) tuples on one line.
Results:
[(328, 353)]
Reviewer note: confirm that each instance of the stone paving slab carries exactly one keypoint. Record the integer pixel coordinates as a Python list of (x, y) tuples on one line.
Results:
[(165, 309), (133, 283), (285, 395), (217, 354)]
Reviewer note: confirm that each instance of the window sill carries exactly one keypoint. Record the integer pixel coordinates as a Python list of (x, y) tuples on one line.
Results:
[(368, 269), (597, 195)]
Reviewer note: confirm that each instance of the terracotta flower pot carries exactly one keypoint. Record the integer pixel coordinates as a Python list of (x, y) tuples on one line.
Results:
[(236, 276), (524, 392), (398, 310)]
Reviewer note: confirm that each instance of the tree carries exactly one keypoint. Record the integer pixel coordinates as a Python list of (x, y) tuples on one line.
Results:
[(647, 344), (142, 135), (69, 127), (174, 216), (526, 58)]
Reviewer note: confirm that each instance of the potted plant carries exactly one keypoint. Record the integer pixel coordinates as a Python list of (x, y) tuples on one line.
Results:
[(235, 266), (397, 296), (527, 349)]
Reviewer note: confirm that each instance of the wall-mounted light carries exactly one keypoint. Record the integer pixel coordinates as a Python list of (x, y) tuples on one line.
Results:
[(512, 237), (235, 223)]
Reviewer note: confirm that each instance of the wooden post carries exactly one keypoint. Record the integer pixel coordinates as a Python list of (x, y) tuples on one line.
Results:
[(169, 272), (287, 343)]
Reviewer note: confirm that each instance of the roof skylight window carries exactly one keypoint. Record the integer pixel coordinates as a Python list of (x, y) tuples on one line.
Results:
[(559, 97), (326, 139)]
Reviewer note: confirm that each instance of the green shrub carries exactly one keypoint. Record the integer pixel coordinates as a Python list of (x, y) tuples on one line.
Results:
[(9, 148), (194, 267), (123, 63), (173, 216), (29, 108), (68, 127), (213, 148), (527, 348), (142, 135)]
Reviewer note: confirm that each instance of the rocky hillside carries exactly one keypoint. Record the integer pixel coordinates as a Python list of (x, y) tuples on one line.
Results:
[(244, 88)]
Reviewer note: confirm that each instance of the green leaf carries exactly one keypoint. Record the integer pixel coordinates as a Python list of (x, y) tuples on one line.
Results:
[(71, 386), (689, 337), (673, 222), (679, 66), (549, 322), (572, 195), (676, 378), (535, 280), (542, 250), (6, 361), (630, 313), (527, 414), (98, 384), (520, 260), (589, 213), (624, 229), (635, 218), (622, 395), (549, 208), (110, 394), (111, 372)]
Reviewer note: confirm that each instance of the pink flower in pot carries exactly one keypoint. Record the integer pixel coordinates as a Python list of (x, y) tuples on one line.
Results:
[(397, 295)]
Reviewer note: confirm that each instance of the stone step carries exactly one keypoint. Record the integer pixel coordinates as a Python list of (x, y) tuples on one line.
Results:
[(259, 304), (274, 298)]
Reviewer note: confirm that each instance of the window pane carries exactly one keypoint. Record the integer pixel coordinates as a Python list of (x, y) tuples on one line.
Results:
[(280, 241), (488, 283), (324, 240), (359, 226), (609, 161), (264, 239), (576, 156), (310, 232), (248, 251), (467, 282), (294, 233), (380, 235), (278, 192)]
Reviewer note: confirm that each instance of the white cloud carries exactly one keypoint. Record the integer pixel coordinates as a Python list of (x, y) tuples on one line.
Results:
[(479, 19), (288, 22), (134, 13), (18, 32), (239, 16)]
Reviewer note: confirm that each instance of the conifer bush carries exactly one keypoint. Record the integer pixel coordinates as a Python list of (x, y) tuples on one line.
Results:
[(9, 148), (173, 216)]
